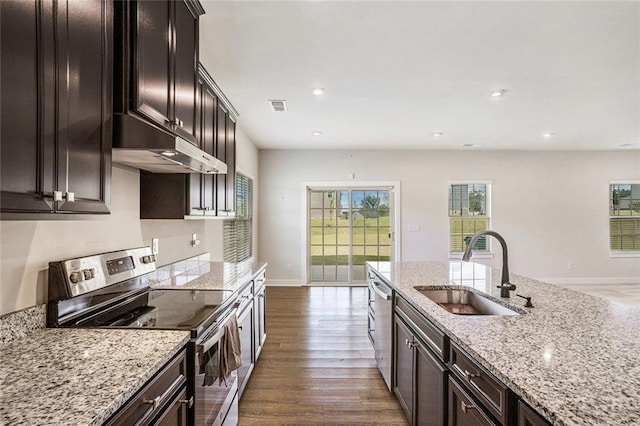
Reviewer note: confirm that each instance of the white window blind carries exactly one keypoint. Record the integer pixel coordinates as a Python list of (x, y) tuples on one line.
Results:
[(237, 233)]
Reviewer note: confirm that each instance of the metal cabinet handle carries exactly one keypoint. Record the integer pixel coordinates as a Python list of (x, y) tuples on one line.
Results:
[(69, 196), (189, 402), (469, 376), (466, 407), (179, 122), (410, 343), (155, 401)]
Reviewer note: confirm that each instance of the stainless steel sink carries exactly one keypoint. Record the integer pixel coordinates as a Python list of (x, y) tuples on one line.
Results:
[(465, 302)]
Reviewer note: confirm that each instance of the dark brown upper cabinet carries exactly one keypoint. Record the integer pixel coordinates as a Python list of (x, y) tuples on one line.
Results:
[(156, 67), (174, 196), (56, 68)]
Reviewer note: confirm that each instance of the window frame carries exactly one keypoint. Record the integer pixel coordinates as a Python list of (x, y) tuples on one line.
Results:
[(482, 254), (619, 253)]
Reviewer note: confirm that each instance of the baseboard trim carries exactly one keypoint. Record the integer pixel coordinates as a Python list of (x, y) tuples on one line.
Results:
[(275, 282), (592, 280)]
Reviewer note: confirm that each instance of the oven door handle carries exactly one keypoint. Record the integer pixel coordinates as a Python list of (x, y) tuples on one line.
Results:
[(208, 343)]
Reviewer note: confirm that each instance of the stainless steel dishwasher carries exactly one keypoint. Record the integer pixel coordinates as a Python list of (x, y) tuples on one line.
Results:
[(382, 332)]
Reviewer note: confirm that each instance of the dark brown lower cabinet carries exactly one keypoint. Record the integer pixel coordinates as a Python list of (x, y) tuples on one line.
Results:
[(260, 332), (176, 413), (463, 409), (528, 417), (245, 325), (420, 379), (154, 404)]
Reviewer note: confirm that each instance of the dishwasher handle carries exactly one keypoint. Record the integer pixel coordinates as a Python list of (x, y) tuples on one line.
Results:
[(379, 291)]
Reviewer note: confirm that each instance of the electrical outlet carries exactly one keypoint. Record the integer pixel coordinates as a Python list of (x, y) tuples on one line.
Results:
[(194, 240), (413, 228), (569, 265), (154, 245), (289, 267), (630, 267)]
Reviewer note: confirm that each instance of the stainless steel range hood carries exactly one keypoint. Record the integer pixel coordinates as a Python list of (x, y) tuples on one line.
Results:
[(140, 144)]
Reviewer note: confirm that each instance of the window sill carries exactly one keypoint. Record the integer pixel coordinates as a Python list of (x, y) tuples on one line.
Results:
[(623, 254), (475, 255)]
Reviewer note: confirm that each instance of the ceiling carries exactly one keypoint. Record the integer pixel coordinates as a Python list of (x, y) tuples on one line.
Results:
[(397, 72)]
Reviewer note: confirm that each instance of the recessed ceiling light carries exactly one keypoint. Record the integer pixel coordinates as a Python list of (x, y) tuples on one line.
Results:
[(437, 134), (496, 93), (548, 135), (316, 133), (470, 145), (318, 91)]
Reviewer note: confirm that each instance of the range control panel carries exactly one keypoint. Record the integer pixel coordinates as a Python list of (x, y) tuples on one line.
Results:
[(91, 273), (120, 265)]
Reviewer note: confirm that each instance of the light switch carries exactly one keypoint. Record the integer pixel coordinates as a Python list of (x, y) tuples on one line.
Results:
[(413, 228)]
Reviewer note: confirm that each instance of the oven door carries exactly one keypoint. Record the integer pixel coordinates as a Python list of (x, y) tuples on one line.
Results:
[(214, 398)]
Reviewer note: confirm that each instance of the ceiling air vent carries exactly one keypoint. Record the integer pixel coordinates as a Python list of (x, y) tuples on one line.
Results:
[(278, 105)]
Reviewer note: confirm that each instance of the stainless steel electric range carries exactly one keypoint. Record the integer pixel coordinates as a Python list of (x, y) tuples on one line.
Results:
[(111, 290)]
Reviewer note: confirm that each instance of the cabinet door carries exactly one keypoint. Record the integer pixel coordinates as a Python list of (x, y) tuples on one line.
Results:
[(463, 410), (84, 30), (431, 385), (404, 367), (245, 325), (221, 154), (209, 104), (528, 417), (26, 145), (260, 324), (230, 179), (185, 65), (152, 75)]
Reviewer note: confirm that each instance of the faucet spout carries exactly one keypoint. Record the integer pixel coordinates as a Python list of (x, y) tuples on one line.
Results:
[(505, 286)]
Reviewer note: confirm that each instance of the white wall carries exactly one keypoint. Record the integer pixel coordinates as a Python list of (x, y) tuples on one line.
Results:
[(551, 207), (28, 246)]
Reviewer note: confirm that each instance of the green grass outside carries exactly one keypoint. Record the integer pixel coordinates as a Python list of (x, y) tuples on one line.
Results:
[(329, 240)]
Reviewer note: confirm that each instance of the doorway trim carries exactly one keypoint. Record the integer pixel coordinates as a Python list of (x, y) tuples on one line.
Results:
[(396, 254)]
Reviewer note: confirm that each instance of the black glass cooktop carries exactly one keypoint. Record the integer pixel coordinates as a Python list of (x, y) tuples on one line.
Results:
[(180, 309)]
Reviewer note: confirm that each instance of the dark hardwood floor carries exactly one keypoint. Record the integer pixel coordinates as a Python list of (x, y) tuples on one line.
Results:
[(317, 365)]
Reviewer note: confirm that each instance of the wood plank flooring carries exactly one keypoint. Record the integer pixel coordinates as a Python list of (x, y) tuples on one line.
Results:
[(317, 365)]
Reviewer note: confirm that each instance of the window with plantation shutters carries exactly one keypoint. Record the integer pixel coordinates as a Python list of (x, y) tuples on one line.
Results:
[(237, 233), (624, 217), (468, 214)]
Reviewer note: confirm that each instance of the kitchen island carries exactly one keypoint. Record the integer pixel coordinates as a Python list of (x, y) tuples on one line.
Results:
[(574, 358)]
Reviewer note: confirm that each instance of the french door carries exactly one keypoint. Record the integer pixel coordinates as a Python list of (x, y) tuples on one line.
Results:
[(347, 228)]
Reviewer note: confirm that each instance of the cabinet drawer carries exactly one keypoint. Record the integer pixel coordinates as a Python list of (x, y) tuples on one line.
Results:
[(244, 298), (463, 410), (153, 397), (490, 391), (434, 338), (260, 279)]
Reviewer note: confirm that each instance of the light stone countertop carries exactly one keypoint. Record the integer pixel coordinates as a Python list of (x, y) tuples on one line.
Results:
[(575, 358), (205, 275), (67, 376)]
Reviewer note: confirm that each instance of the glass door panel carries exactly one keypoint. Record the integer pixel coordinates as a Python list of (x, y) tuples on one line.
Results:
[(347, 228)]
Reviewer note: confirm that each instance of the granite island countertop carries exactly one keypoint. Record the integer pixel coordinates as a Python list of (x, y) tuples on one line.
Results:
[(575, 358), (67, 376)]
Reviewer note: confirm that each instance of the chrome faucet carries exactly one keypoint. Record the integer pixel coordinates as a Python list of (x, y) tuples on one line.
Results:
[(505, 286)]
